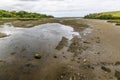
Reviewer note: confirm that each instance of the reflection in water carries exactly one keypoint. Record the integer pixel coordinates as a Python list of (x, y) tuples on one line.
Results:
[(27, 41)]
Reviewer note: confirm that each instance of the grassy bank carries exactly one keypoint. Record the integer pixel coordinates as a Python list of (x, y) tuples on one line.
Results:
[(112, 17), (21, 14), (105, 15)]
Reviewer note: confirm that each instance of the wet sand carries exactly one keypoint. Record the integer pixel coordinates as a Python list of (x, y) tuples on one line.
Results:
[(104, 52), (93, 55), (2, 35)]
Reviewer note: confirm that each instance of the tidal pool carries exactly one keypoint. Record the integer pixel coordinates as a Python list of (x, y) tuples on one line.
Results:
[(27, 41)]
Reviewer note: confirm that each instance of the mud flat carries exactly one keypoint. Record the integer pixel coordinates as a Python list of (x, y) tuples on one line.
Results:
[(65, 49), (2, 35), (27, 52)]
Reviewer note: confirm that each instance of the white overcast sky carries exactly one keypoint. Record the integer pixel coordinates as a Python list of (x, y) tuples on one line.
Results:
[(60, 8)]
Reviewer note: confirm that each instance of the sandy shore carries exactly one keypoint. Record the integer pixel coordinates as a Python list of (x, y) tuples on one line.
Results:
[(95, 56), (104, 52)]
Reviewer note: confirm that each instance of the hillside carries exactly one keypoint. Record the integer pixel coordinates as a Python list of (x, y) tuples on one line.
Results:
[(21, 14), (104, 15)]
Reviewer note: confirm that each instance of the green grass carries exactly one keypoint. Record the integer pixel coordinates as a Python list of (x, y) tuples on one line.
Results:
[(114, 13), (112, 17), (104, 15), (21, 14)]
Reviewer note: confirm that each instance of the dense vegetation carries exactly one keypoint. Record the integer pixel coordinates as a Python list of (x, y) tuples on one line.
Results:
[(104, 15), (21, 14)]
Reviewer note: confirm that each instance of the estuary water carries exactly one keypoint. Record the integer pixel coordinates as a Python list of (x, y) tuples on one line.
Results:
[(27, 41)]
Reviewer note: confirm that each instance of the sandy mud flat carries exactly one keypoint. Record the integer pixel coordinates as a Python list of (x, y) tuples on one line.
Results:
[(59, 49)]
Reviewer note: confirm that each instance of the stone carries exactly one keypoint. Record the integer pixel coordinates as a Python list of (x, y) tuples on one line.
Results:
[(105, 69), (117, 63), (37, 55), (117, 75), (85, 60), (55, 56), (86, 42)]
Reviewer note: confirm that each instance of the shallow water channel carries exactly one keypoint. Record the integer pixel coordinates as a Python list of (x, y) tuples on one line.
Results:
[(27, 41)]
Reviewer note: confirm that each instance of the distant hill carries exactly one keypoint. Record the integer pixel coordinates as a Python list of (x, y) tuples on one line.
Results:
[(21, 14), (104, 15)]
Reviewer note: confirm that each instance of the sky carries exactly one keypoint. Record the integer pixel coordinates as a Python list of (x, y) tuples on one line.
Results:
[(62, 8)]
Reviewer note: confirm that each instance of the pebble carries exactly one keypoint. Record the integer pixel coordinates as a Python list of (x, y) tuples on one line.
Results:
[(55, 56), (84, 60), (78, 74), (37, 56), (61, 76), (70, 78)]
